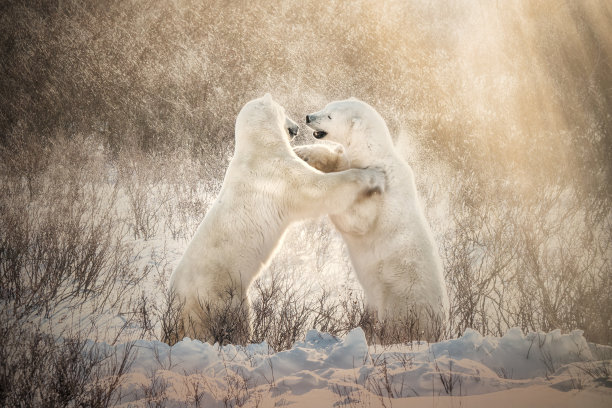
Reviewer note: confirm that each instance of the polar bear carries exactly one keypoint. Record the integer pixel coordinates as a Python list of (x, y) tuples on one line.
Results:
[(266, 187), (390, 243)]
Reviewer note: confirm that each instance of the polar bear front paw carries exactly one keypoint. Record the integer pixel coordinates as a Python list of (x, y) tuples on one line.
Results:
[(376, 180), (303, 152), (323, 158)]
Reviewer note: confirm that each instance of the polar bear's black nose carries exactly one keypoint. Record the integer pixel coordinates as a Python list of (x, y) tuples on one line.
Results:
[(307, 118)]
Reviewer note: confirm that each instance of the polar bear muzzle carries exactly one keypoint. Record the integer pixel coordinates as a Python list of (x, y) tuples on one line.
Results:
[(319, 134), (292, 128)]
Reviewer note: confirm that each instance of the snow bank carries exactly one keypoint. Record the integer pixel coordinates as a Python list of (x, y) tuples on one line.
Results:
[(347, 369)]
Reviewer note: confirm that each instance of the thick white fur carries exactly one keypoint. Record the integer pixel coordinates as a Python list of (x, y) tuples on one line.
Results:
[(389, 240), (266, 188)]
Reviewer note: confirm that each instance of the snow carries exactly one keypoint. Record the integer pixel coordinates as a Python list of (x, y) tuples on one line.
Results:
[(539, 369), (534, 369), (518, 369)]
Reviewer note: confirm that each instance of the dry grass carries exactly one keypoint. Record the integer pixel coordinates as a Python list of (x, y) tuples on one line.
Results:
[(116, 125)]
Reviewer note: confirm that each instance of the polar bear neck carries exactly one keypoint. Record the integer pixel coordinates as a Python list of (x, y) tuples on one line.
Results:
[(264, 137), (369, 147)]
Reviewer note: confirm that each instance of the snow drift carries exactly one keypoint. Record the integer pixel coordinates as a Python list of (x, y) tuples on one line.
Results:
[(348, 372)]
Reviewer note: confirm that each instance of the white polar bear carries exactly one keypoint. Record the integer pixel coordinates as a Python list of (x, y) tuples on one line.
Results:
[(389, 240), (266, 188)]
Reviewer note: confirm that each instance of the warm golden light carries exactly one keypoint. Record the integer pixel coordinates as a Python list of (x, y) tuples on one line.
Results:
[(117, 125)]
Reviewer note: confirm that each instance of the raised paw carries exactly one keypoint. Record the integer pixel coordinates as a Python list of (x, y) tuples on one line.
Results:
[(303, 152), (376, 180), (323, 158), (339, 150)]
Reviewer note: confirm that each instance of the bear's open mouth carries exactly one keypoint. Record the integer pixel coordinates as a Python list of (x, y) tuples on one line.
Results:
[(319, 134)]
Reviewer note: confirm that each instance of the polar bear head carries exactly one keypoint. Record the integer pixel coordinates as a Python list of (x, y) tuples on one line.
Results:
[(352, 123), (263, 122)]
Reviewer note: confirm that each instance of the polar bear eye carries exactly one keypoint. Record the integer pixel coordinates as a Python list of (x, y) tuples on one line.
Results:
[(329, 116)]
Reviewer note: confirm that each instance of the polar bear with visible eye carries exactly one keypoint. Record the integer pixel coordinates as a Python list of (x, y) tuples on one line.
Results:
[(390, 243), (266, 188)]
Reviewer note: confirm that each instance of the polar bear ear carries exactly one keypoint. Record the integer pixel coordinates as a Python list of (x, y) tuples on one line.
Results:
[(267, 99)]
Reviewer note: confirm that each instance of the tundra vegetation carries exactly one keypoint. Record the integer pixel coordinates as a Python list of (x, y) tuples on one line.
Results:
[(116, 126)]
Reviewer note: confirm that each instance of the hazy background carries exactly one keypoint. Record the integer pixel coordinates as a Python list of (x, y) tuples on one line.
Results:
[(116, 126)]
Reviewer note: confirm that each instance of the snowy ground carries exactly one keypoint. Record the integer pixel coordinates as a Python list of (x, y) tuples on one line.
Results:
[(538, 369)]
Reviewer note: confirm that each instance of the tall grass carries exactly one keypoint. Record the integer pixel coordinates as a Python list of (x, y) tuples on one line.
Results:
[(116, 126)]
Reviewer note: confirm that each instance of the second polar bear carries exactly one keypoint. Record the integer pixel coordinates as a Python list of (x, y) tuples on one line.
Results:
[(389, 240), (266, 188)]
